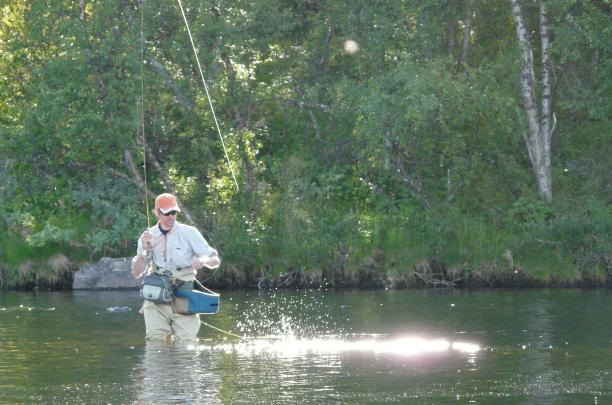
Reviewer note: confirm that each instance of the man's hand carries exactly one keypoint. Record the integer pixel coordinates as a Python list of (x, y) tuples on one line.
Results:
[(145, 240), (138, 264), (212, 262)]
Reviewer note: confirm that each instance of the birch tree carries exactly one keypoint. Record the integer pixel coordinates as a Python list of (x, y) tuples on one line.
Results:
[(540, 126)]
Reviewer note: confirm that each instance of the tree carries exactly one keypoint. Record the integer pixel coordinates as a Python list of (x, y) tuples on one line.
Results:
[(409, 135), (541, 122)]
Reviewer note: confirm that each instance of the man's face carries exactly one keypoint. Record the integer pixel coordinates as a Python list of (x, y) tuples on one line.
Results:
[(167, 220)]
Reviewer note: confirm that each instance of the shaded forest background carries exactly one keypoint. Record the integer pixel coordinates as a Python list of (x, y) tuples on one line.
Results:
[(407, 152)]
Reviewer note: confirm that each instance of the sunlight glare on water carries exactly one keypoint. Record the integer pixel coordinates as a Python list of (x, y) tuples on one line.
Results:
[(313, 347), (291, 346), (292, 326)]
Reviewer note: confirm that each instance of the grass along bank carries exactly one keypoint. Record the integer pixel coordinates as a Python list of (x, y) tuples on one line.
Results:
[(531, 247)]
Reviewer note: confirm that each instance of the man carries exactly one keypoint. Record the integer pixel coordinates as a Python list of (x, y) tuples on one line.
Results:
[(178, 249)]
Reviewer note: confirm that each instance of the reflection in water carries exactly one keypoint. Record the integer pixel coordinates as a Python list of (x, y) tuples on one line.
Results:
[(24, 308), (174, 373), (297, 369), (274, 369)]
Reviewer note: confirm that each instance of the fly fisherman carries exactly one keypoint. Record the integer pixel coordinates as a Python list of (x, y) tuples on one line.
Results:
[(177, 250)]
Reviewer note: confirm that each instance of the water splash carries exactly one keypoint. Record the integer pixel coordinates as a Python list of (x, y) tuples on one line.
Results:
[(286, 315), (291, 326)]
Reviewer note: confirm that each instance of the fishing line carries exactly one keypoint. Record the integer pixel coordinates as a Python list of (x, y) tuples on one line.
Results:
[(210, 276), (204, 288), (144, 150), (169, 288), (142, 123), (209, 325), (222, 331), (212, 109)]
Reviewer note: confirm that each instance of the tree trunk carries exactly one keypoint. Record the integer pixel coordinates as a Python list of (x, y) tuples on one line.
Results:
[(83, 13), (546, 128), (398, 159), (467, 32), (325, 53), (171, 84), (538, 137), (168, 184), (450, 27)]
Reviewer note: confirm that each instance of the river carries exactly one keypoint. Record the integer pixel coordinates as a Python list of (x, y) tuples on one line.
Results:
[(353, 347)]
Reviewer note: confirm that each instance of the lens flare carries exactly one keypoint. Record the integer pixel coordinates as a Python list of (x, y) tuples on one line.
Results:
[(351, 47)]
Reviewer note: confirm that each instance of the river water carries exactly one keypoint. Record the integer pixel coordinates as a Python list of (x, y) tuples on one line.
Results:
[(414, 346)]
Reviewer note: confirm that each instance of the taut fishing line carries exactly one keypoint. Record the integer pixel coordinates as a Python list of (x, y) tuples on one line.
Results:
[(142, 130), (212, 109)]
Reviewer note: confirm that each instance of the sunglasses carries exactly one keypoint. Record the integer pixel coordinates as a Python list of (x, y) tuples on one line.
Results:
[(167, 214)]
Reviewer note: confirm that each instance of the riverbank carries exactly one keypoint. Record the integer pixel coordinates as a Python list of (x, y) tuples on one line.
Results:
[(428, 274), (114, 273)]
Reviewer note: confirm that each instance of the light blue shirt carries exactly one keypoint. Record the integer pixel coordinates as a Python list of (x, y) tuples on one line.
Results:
[(177, 249)]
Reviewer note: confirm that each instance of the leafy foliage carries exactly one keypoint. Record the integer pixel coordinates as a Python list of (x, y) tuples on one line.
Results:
[(406, 146)]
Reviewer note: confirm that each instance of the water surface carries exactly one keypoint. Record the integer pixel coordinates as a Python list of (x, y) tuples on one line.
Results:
[(533, 346)]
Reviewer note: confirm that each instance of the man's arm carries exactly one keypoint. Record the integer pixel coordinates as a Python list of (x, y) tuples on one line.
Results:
[(138, 262), (138, 266), (205, 255)]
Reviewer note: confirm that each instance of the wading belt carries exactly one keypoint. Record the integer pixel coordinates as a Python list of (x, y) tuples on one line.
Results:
[(176, 283)]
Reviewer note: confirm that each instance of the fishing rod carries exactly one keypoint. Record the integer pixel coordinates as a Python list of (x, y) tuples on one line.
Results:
[(147, 252), (142, 124)]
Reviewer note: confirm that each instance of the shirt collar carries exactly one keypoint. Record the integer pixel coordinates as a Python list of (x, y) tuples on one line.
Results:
[(156, 230)]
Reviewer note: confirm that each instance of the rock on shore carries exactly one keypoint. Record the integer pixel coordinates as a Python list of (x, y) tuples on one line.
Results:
[(107, 274)]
